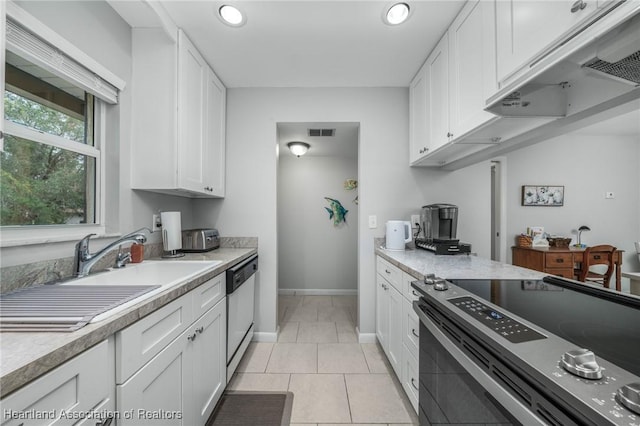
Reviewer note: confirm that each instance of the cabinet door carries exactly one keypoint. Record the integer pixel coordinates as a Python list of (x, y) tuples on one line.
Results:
[(214, 166), (410, 328), (526, 28), (394, 351), (382, 310), (192, 78), (209, 361), (438, 94), (418, 117), (472, 66), (410, 380), (66, 392), (159, 393)]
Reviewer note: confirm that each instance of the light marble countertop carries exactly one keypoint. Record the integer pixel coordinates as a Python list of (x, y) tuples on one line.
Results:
[(418, 262), (26, 356)]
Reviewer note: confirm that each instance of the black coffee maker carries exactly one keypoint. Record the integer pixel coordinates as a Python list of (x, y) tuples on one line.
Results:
[(438, 230)]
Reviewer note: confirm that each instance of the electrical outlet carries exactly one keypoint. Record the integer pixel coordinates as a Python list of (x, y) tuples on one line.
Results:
[(155, 224), (609, 195), (415, 219), (373, 222)]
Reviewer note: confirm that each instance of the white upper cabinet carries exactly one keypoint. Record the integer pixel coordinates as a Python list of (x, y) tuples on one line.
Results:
[(472, 69), (178, 118), (438, 96), (447, 96), (525, 29), (429, 104), (418, 113)]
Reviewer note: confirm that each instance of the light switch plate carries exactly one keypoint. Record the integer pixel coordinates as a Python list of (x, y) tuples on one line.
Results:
[(373, 221)]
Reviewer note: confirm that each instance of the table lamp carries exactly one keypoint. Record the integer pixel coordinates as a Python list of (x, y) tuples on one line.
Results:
[(582, 228)]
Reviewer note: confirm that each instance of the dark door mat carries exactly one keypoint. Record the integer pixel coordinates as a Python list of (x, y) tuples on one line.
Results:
[(252, 408)]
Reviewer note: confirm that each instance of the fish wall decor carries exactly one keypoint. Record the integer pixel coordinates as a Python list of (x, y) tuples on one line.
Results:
[(337, 212)]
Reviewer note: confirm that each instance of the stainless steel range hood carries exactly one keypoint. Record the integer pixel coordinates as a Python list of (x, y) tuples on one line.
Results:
[(595, 68)]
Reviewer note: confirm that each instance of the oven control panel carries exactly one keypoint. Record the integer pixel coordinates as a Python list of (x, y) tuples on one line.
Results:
[(510, 329)]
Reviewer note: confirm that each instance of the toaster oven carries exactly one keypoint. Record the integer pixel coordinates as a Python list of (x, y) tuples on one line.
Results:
[(200, 240)]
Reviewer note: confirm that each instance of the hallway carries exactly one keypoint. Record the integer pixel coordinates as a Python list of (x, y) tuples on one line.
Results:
[(334, 379)]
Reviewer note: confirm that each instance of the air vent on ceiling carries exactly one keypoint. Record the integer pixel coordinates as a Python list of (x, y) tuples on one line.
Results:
[(322, 132)]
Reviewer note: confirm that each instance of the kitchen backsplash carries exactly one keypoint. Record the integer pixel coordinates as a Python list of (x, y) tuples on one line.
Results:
[(19, 276)]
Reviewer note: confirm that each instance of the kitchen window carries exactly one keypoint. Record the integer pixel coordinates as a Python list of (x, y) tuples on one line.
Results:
[(52, 165), (48, 166)]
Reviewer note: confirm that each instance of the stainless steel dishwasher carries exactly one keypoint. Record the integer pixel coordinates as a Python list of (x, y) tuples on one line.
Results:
[(240, 306)]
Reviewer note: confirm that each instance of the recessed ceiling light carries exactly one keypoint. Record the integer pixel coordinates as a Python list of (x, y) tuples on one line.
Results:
[(396, 14), (231, 15)]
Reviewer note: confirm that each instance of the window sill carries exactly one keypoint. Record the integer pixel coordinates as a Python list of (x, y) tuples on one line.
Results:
[(11, 236)]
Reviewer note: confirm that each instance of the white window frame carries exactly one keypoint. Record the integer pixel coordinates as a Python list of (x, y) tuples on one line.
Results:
[(11, 236), (41, 234)]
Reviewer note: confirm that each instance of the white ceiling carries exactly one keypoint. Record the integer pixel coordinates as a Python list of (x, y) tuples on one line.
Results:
[(310, 43), (318, 43)]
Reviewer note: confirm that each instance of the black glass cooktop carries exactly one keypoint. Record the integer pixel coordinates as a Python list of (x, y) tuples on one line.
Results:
[(604, 322)]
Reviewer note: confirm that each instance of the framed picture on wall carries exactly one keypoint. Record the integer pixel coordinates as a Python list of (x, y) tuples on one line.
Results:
[(543, 195)]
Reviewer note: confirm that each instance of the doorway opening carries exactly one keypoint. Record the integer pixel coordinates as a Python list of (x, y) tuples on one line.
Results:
[(317, 210), (498, 210)]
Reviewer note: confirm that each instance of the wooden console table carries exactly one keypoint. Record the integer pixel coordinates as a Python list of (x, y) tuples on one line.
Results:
[(558, 261)]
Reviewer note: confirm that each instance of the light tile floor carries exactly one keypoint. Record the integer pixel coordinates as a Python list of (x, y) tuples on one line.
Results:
[(335, 380)]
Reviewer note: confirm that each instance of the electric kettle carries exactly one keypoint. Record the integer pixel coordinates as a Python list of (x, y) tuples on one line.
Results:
[(398, 234)]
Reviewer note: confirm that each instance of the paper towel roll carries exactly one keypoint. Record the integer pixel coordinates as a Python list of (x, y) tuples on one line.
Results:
[(171, 230)]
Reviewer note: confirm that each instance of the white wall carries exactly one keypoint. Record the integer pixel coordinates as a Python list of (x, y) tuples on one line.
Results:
[(587, 166), (313, 254), (95, 28), (387, 188)]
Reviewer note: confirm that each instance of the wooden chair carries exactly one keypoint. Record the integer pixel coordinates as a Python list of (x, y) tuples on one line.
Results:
[(597, 255)]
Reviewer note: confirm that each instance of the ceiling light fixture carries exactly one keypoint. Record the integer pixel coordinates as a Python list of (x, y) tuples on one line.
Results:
[(231, 15), (396, 14), (298, 148)]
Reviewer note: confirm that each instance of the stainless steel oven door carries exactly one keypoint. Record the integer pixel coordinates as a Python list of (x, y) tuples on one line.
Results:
[(454, 390)]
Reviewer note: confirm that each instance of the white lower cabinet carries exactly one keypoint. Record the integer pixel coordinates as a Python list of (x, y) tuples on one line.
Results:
[(80, 391), (182, 384), (389, 322), (397, 325), (180, 381)]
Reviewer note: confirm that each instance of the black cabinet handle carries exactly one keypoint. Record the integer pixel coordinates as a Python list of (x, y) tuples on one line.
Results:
[(413, 331), (413, 383)]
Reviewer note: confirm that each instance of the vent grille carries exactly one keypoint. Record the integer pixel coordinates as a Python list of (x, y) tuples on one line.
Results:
[(626, 69), (322, 132)]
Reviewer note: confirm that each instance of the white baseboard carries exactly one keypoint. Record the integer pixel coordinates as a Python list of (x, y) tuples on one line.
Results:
[(317, 292), (366, 337), (261, 336)]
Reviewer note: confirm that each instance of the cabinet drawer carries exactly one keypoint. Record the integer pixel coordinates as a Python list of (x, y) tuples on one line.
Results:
[(410, 381), (75, 387), (390, 273), (141, 341), (410, 328), (561, 272), (409, 292), (558, 260), (208, 294)]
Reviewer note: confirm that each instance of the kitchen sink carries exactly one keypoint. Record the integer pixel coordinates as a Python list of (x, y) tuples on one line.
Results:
[(161, 273), (69, 305)]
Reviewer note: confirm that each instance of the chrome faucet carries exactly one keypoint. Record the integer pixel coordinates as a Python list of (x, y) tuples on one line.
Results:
[(84, 260)]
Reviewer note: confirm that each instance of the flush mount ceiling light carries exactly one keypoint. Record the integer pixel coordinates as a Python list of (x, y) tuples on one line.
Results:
[(396, 14), (231, 15), (298, 148)]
